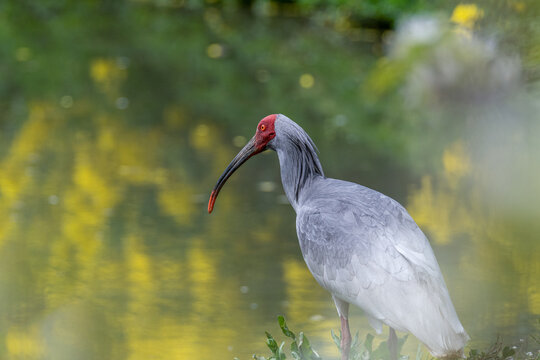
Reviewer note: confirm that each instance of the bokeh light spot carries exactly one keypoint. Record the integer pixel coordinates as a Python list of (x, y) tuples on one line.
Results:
[(53, 199), (202, 130), (122, 103), (122, 62), (23, 54), (266, 186), (518, 6), (307, 81), (214, 51), (239, 141), (200, 137), (66, 102)]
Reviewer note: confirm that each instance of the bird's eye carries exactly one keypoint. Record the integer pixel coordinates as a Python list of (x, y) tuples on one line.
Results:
[(263, 127)]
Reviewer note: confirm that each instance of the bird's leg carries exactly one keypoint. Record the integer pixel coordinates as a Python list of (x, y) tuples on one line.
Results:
[(343, 312), (393, 344), (345, 338)]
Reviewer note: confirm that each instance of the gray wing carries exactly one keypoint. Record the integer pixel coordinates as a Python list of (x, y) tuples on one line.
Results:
[(365, 248), (366, 229)]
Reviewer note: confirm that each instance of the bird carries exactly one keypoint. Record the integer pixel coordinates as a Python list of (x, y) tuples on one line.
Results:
[(359, 244)]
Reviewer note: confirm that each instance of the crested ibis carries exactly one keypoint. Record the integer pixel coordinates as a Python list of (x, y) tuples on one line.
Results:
[(360, 245)]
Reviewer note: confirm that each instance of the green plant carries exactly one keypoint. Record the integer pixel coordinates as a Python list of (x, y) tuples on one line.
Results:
[(364, 350), (300, 346), (499, 352)]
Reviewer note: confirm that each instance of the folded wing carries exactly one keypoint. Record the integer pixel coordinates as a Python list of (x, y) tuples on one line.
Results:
[(364, 248)]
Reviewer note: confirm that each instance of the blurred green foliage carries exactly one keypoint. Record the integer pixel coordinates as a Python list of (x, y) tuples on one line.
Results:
[(217, 60)]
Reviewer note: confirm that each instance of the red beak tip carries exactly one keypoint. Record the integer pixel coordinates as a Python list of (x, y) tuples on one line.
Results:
[(211, 202)]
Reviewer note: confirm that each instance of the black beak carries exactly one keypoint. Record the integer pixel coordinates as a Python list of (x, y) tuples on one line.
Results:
[(248, 151)]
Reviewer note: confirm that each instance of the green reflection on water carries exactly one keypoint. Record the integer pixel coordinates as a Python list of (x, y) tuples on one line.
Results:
[(108, 155)]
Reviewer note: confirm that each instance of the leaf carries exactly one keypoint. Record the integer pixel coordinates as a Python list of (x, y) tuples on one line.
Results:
[(300, 340), (285, 328), (401, 342), (381, 352), (300, 346), (508, 351), (281, 353), (419, 353), (356, 348), (354, 340), (337, 340), (305, 348), (316, 354), (294, 347), (272, 344), (368, 343)]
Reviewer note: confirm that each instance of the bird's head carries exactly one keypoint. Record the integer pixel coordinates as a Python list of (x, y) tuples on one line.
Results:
[(262, 140)]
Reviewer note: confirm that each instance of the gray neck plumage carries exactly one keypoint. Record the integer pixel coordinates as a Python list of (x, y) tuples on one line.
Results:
[(298, 159)]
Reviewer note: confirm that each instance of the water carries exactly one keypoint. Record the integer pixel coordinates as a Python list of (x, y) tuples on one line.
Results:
[(110, 149)]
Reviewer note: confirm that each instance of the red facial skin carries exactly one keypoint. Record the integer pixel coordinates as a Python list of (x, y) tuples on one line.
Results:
[(265, 132)]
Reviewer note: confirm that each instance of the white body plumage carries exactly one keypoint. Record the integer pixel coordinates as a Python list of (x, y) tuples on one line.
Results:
[(365, 249)]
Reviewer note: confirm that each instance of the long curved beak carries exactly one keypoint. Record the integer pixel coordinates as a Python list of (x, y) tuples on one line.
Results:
[(248, 151)]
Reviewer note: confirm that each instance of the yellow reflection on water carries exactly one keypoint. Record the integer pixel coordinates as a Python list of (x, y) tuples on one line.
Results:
[(301, 290), (24, 344), (29, 141), (436, 206), (452, 206), (456, 163), (202, 277), (177, 201)]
